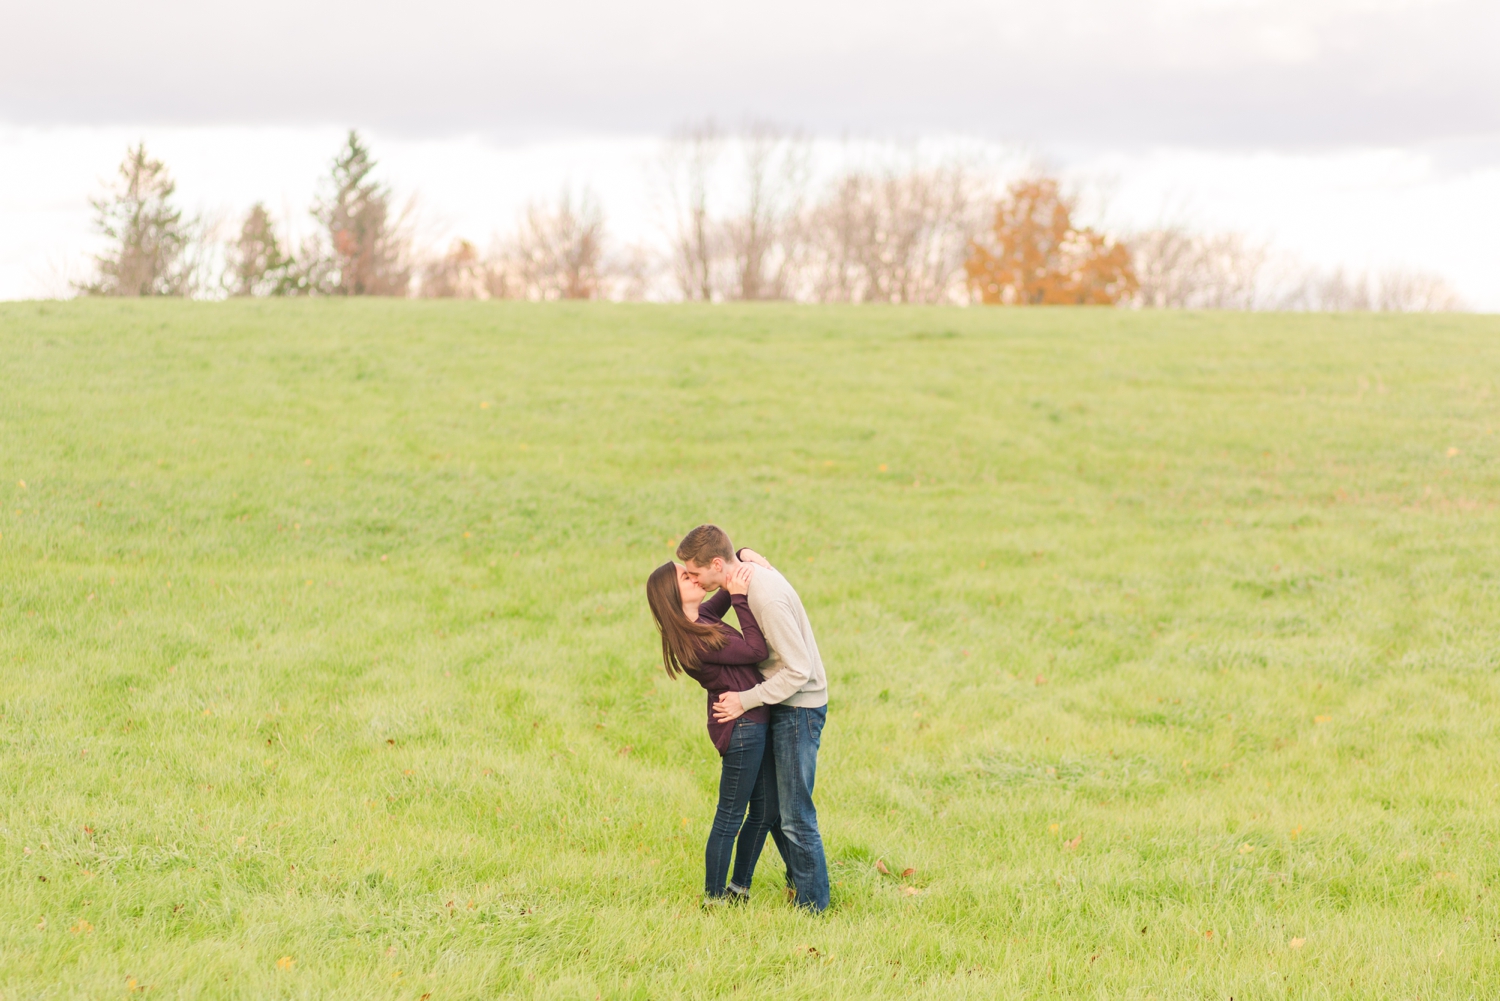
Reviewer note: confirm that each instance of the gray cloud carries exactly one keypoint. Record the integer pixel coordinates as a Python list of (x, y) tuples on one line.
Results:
[(1225, 72)]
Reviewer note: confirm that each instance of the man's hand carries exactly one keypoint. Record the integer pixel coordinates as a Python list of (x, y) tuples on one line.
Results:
[(728, 707), (738, 579), (751, 556)]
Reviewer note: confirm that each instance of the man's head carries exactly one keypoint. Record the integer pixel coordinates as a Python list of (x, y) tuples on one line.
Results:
[(705, 552)]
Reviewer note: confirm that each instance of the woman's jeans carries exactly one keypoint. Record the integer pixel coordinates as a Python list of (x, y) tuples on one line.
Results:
[(747, 783)]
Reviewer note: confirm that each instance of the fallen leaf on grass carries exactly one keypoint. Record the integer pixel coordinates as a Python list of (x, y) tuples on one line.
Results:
[(285, 963), (1040, 680), (1246, 848), (1297, 943), (1322, 719), (910, 891), (1053, 828), (1209, 933), (880, 867), (81, 928), (1070, 845), (908, 872)]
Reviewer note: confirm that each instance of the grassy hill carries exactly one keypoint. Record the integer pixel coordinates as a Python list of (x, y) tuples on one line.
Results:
[(1161, 646)]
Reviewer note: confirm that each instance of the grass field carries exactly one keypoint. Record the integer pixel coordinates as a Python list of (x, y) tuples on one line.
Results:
[(327, 671)]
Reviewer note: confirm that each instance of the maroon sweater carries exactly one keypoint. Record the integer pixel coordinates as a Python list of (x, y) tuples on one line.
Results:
[(731, 668)]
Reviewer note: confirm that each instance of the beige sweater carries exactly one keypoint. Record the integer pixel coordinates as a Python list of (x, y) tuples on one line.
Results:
[(793, 672)]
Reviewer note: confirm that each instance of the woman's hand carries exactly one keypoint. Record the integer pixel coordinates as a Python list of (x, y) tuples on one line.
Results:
[(751, 556), (738, 582)]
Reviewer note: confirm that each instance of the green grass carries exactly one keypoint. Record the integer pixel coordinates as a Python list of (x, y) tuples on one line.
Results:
[(323, 636)]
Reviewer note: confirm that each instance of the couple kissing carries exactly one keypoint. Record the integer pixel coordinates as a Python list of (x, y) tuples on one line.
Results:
[(767, 702)]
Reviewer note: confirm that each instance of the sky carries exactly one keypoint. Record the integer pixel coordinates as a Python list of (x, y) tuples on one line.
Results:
[(1358, 132)]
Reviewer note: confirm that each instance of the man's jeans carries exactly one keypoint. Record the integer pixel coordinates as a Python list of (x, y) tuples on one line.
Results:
[(795, 735)]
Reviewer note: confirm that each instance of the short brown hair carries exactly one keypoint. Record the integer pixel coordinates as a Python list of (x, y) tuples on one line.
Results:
[(703, 543)]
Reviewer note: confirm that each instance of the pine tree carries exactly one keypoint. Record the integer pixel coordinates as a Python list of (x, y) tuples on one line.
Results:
[(147, 233), (367, 254), (258, 265)]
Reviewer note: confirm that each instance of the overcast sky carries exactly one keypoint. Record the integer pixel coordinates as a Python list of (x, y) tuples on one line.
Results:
[(1233, 72), (1215, 83)]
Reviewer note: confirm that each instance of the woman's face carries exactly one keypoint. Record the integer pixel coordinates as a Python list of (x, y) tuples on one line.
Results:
[(690, 590)]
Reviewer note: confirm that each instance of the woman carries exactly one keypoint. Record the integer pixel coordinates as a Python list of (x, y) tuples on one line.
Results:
[(696, 641)]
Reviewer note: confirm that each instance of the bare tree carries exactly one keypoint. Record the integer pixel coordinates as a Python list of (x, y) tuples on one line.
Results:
[(765, 237), (257, 264), (1394, 290), (367, 251), (895, 236), (1406, 291), (457, 274), (1330, 292), (147, 234), (688, 164), (557, 252), (499, 272), (1179, 269), (736, 230), (631, 274)]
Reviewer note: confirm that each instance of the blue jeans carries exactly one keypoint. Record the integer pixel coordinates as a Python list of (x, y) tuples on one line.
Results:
[(742, 787), (795, 735)]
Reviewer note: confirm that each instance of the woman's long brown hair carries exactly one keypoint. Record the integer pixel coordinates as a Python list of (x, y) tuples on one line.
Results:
[(681, 637)]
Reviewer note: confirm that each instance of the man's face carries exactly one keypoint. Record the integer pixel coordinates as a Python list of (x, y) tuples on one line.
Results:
[(710, 577)]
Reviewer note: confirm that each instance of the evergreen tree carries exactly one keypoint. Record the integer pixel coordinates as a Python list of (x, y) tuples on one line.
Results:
[(258, 265), (147, 234), (366, 252)]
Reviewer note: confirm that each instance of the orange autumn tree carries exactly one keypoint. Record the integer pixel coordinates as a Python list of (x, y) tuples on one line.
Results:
[(1035, 256)]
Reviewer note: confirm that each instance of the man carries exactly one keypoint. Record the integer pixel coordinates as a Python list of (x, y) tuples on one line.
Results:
[(795, 686)]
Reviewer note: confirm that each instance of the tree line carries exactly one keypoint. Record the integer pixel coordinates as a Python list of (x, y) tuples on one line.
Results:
[(743, 220)]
